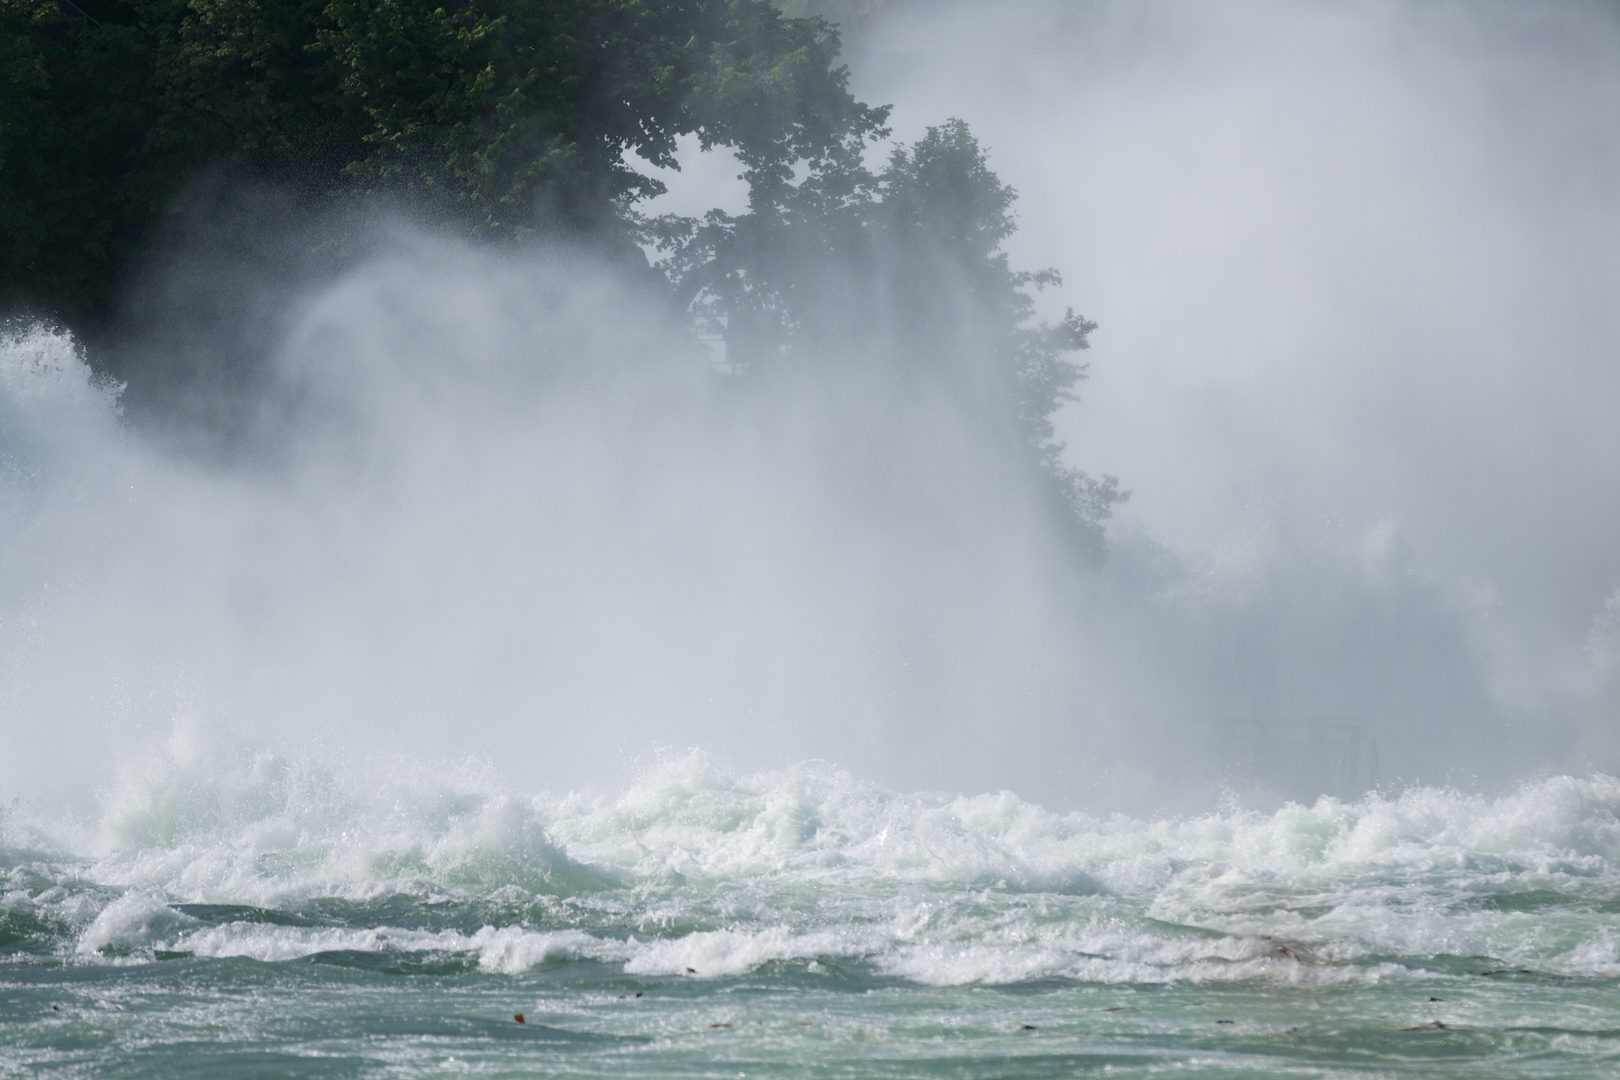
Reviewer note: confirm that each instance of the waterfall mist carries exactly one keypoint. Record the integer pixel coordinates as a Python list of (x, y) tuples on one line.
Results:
[(1355, 270), (465, 503)]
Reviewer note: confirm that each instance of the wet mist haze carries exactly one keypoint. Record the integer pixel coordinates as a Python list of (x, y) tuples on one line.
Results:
[(1355, 270), (502, 506)]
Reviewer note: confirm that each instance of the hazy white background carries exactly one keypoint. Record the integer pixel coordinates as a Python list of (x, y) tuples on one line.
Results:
[(1357, 267)]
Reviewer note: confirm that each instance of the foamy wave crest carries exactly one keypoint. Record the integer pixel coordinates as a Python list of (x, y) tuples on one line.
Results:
[(136, 920), (698, 871), (41, 364), (54, 412), (265, 828)]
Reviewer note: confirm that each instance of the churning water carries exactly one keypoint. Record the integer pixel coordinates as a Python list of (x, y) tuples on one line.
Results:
[(257, 915)]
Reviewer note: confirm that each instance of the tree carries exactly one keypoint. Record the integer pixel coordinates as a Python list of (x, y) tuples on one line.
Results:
[(901, 267), (510, 116), (517, 117)]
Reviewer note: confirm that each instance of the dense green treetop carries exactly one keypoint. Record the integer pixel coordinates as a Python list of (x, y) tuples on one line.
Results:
[(510, 115), (901, 266), (510, 118)]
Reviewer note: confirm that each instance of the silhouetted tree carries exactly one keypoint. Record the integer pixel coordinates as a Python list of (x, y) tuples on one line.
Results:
[(903, 266), (511, 116)]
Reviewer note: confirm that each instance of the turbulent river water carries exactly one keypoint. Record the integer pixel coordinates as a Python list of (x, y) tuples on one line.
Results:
[(261, 915)]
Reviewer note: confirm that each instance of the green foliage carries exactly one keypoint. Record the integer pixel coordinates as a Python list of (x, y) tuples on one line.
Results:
[(22, 114), (902, 267), (131, 100), (848, 15), (65, 77), (485, 108), (511, 116)]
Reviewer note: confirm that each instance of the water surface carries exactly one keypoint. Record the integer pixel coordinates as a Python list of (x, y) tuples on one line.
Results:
[(267, 917)]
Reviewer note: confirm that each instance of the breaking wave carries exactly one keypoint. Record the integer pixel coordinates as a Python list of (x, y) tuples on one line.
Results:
[(695, 870)]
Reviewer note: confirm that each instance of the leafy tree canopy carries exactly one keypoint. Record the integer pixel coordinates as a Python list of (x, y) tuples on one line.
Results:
[(511, 115), (900, 265), (514, 117)]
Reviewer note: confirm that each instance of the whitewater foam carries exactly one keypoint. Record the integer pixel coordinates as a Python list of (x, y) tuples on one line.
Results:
[(698, 871)]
